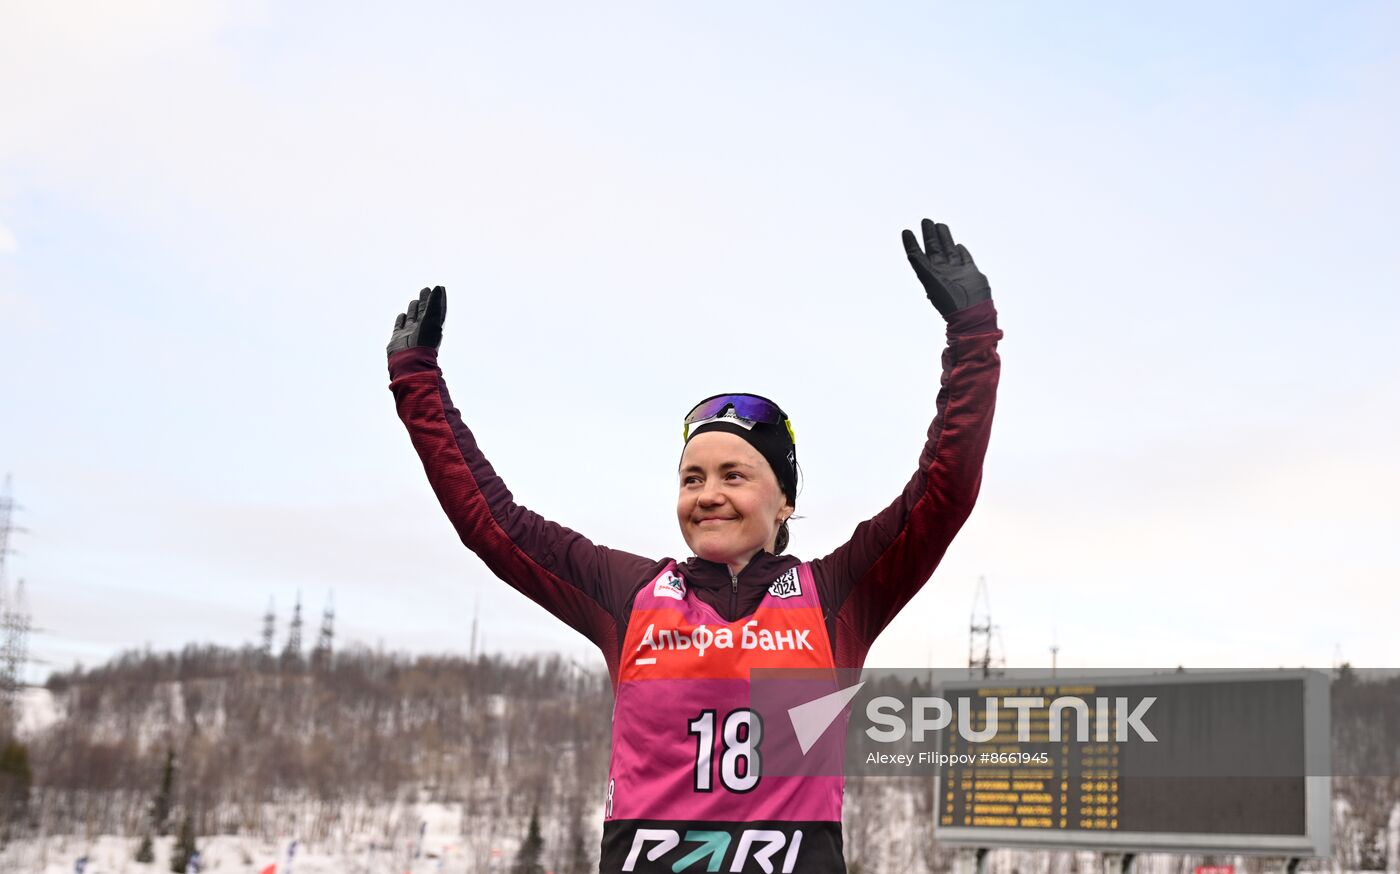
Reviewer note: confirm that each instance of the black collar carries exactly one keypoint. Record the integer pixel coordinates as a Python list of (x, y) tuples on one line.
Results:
[(762, 569)]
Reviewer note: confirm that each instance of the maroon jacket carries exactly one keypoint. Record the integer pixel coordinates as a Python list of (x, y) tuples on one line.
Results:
[(862, 585)]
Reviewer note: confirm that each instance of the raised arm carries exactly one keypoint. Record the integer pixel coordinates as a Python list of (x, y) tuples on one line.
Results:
[(559, 569), (867, 580)]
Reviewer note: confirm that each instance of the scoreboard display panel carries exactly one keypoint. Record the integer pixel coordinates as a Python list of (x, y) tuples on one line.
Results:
[(1238, 762)]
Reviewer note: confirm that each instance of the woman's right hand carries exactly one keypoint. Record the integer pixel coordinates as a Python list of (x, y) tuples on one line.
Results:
[(421, 324)]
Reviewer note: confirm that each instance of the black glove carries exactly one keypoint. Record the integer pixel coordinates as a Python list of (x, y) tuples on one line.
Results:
[(422, 324), (950, 278)]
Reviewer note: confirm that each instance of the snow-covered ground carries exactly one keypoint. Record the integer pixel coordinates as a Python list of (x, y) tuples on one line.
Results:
[(443, 850), (224, 853)]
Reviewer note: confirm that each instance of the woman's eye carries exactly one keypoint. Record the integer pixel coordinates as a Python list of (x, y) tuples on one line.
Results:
[(733, 474)]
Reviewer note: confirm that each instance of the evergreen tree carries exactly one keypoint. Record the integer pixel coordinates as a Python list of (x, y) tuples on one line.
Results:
[(160, 807), (16, 777), (578, 861), (184, 846), (146, 853), (528, 860)]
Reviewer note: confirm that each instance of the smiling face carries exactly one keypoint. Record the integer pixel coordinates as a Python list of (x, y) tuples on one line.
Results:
[(730, 504)]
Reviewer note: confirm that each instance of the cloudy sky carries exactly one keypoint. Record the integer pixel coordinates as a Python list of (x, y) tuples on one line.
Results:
[(210, 213)]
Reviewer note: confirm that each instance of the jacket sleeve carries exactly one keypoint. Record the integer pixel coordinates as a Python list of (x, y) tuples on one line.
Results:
[(867, 580), (584, 584)]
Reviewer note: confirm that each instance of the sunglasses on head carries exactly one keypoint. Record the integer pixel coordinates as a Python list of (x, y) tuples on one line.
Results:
[(745, 406)]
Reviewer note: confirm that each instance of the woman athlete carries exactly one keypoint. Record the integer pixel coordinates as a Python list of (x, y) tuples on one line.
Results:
[(687, 789)]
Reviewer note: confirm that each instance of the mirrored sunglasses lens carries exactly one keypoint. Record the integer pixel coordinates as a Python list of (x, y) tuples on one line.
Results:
[(757, 409), (708, 409)]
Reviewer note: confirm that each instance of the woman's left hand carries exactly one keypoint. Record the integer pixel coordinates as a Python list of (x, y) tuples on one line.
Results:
[(950, 278)]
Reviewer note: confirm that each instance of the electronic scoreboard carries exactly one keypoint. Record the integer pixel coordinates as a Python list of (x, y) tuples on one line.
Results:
[(1239, 763)]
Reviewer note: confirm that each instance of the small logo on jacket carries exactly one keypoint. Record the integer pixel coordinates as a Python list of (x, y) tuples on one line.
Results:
[(786, 586), (669, 586)]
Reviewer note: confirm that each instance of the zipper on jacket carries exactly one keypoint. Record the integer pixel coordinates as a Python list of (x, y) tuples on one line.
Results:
[(733, 593)]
